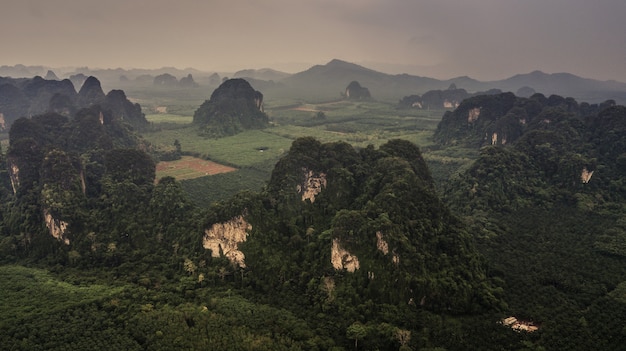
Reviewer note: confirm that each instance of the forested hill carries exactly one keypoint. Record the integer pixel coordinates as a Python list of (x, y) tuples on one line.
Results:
[(548, 205), (27, 97), (344, 248), (353, 239), (233, 107), (499, 119), (370, 224)]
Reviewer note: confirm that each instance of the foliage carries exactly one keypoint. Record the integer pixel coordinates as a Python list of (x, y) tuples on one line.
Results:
[(533, 241), (233, 107)]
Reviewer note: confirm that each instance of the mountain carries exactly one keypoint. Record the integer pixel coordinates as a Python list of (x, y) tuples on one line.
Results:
[(233, 107), (366, 219), (327, 81), (565, 84), (548, 209), (261, 74), (24, 97)]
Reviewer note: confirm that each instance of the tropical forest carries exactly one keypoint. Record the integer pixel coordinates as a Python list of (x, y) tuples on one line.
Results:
[(334, 209)]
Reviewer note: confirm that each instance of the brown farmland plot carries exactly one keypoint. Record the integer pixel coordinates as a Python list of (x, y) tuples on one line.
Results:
[(189, 167)]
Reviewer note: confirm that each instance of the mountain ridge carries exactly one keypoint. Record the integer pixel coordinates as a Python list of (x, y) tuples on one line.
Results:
[(326, 81)]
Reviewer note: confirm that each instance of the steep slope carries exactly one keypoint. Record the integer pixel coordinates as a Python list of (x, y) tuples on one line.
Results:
[(233, 107), (30, 97), (502, 118), (345, 226)]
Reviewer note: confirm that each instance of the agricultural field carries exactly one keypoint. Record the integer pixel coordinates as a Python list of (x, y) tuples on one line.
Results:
[(189, 167), (168, 118), (253, 154)]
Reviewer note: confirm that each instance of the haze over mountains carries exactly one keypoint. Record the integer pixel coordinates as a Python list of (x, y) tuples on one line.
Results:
[(328, 80)]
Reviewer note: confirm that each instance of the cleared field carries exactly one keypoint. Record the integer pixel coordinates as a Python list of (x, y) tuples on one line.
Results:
[(249, 148), (189, 167), (169, 118)]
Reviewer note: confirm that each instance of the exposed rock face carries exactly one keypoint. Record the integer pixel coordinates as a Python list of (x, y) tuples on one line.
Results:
[(14, 175), (383, 247), (312, 185), (381, 244), (494, 138), (585, 176), (224, 238), (342, 259), (450, 104), (473, 114), (355, 91), (56, 227)]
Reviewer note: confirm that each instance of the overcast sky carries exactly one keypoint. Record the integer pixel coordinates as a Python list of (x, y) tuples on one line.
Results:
[(483, 39)]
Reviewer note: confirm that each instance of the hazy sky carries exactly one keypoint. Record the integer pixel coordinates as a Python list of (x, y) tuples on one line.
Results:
[(484, 39)]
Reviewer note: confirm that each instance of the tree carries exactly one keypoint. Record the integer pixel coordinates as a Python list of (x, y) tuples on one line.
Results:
[(320, 115), (356, 331)]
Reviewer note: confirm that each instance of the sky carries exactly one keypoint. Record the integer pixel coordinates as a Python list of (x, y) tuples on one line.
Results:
[(483, 39)]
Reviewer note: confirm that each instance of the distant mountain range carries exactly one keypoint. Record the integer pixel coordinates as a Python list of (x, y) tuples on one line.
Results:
[(336, 75), (323, 82)]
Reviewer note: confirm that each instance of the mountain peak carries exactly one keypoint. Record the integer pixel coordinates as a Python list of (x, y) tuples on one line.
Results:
[(336, 63)]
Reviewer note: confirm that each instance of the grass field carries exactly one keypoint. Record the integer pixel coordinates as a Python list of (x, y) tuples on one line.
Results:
[(249, 148), (168, 118)]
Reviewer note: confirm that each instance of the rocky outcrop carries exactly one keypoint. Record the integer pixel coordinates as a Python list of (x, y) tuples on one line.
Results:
[(56, 227), (121, 108), (381, 244), (36, 96), (91, 92), (14, 176), (312, 185), (224, 238), (473, 114), (585, 175), (355, 91), (342, 259), (31, 97)]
